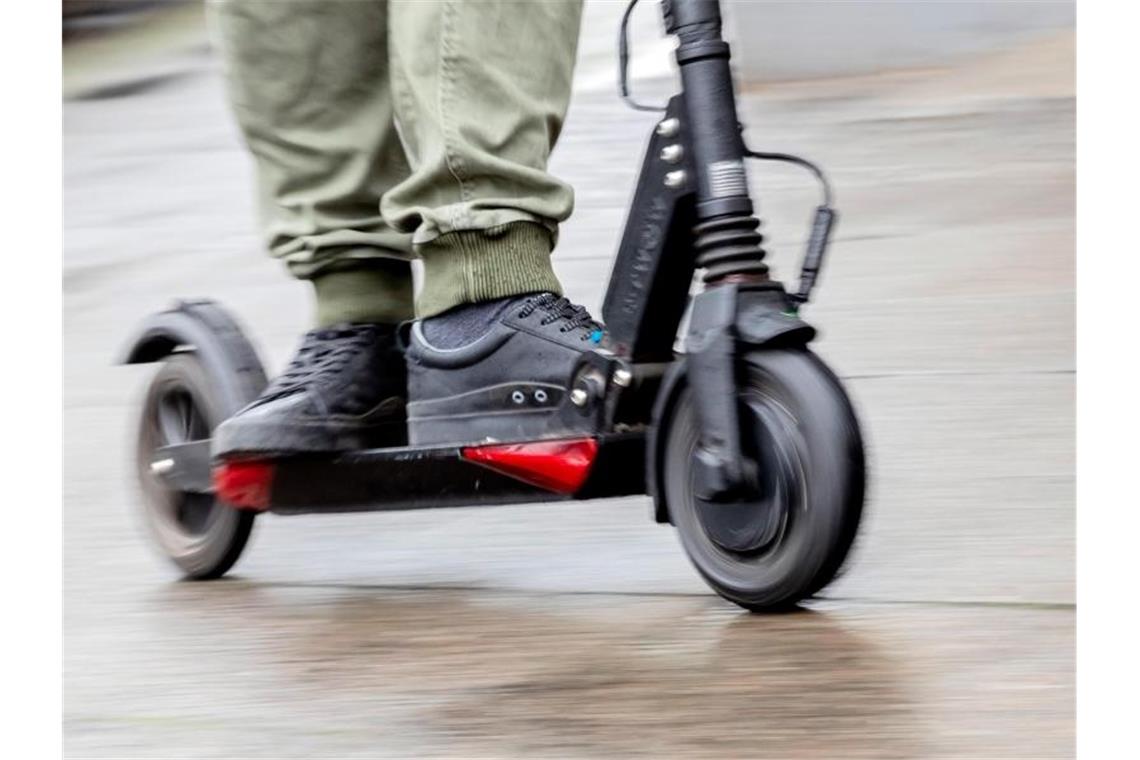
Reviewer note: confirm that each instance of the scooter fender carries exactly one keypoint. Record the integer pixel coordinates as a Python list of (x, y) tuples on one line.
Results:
[(211, 333), (764, 318)]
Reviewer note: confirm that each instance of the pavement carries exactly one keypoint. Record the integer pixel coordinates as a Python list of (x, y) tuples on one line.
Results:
[(580, 630)]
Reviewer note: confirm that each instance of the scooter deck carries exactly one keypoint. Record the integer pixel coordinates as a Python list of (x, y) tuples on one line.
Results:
[(413, 477)]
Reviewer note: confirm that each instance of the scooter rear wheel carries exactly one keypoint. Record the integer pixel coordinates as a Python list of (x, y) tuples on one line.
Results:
[(199, 534), (791, 538)]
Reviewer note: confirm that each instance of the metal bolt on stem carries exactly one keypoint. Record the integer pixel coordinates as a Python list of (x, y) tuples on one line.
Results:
[(675, 179), (671, 154), (668, 127)]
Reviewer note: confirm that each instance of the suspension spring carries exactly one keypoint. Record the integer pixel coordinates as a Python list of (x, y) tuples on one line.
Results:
[(730, 245)]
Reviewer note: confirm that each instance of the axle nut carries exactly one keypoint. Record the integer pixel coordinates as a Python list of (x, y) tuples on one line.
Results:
[(579, 397), (162, 466), (622, 378)]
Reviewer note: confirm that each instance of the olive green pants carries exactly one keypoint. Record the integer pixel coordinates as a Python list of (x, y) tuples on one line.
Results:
[(384, 130)]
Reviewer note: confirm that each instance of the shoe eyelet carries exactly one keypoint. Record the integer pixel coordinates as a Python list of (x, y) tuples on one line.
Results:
[(540, 396), (518, 397)]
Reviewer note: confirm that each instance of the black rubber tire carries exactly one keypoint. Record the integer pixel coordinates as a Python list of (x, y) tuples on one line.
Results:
[(817, 420), (208, 552)]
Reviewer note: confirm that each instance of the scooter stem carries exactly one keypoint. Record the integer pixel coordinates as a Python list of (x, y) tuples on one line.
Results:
[(727, 242)]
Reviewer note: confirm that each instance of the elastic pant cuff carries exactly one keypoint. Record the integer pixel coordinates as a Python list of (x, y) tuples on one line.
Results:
[(375, 292), (470, 266)]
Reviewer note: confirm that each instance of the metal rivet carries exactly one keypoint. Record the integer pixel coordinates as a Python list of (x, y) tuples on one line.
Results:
[(675, 179), (579, 397), (622, 378), (672, 153), (518, 397), (162, 466), (668, 127), (540, 396)]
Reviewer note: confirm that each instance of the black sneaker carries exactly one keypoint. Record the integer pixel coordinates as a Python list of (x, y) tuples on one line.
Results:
[(344, 390), (505, 385)]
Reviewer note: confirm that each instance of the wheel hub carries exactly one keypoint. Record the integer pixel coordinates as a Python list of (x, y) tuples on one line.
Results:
[(750, 524), (179, 424)]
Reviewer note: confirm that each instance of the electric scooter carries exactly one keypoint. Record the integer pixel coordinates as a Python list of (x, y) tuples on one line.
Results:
[(744, 439)]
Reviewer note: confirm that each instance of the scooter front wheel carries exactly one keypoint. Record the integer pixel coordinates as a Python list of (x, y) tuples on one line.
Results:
[(789, 538)]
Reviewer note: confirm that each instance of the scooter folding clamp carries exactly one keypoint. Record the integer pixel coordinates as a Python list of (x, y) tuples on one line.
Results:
[(597, 381)]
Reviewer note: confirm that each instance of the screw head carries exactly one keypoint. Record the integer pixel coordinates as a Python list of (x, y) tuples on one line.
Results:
[(668, 127), (671, 154), (675, 179), (623, 377), (579, 397)]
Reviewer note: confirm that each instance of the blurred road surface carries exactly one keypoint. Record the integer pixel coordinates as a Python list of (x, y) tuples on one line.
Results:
[(580, 630)]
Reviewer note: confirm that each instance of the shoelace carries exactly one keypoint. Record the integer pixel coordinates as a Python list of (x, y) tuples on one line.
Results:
[(559, 309), (323, 353)]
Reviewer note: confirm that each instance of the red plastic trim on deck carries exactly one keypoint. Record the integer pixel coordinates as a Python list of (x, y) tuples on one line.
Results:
[(244, 484), (561, 466)]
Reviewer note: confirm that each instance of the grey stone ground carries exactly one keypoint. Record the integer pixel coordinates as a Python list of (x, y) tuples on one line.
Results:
[(580, 629)]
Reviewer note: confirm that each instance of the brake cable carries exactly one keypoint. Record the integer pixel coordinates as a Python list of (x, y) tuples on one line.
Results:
[(789, 158), (623, 64), (821, 225)]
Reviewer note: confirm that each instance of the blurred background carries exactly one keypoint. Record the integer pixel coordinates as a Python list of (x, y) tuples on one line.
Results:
[(580, 629)]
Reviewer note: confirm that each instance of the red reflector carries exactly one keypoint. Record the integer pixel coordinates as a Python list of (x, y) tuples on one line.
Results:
[(244, 484), (560, 466)]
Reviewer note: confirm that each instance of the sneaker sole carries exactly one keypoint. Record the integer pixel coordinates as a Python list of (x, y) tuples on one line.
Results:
[(511, 425)]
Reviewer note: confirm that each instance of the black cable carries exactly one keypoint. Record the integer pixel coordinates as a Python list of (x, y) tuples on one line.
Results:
[(623, 63), (788, 158), (821, 226)]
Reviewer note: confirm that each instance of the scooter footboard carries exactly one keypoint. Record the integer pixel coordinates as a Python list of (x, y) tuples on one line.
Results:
[(433, 477)]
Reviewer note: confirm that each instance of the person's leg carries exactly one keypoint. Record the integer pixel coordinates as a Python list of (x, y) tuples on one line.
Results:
[(308, 82), (481, 90)]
